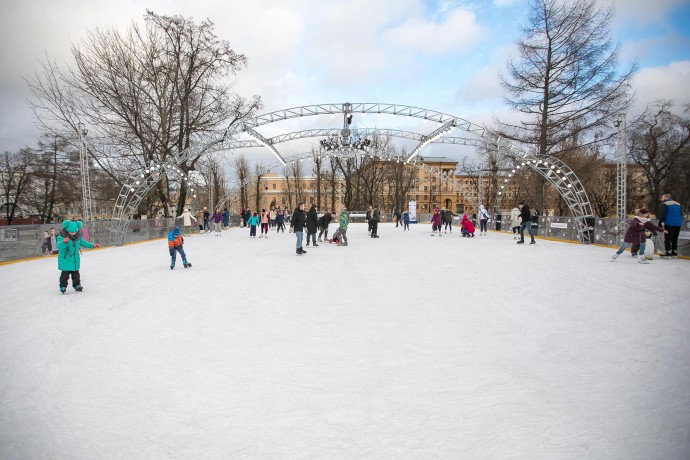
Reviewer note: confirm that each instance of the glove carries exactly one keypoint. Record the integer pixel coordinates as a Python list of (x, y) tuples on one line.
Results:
[(65, 240), (96, 245)]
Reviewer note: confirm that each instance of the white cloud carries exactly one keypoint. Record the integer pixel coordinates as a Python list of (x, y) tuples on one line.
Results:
[(483, 87), (643, 12), (501, 3), (667, 82), (458, 31)]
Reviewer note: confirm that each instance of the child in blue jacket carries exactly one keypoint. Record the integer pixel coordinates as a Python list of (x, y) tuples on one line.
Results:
[(253, 221), (68, 243)]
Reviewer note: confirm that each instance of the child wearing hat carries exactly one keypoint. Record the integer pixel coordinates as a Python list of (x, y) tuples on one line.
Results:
[(68, 243), (175, 242)]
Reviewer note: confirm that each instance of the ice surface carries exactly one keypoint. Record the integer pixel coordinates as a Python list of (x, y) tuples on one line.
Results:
[(407, 346)]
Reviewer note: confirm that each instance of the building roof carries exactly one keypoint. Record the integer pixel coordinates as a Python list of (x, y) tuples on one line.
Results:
[(424, 159)]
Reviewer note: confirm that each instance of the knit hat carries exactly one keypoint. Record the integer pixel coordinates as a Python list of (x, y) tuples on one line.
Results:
[(70, 226), (643, 211), (176, 231)]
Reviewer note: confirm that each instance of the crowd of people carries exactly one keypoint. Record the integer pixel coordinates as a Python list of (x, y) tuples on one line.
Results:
[(68, 243)]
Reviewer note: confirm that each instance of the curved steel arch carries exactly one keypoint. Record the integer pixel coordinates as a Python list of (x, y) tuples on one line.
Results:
[(568, 185)]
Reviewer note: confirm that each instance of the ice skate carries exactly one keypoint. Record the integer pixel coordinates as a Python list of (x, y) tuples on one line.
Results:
[(614, 257), (642, 260), (187, 265), (63, 289), (78, 288)]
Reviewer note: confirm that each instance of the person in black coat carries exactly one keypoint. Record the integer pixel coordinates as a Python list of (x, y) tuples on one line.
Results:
[(323, 224), (312, 225), (526, 217), (374, 221), (297, 224)]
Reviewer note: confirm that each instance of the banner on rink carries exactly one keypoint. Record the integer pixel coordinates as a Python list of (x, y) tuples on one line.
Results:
[(412, 209)]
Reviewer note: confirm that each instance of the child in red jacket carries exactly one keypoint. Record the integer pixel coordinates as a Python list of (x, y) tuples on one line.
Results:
[(467, 227)]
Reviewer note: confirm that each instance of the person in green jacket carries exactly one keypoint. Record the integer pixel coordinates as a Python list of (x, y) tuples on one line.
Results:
[(340, 235), (68, 243)]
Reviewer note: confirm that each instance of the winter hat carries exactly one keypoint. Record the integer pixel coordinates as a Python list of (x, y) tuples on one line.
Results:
[(70, 226), (176, 231), (643, 211)]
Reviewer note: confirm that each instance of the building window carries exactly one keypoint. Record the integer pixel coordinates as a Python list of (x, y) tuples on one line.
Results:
[(426, 188), (274, 186)]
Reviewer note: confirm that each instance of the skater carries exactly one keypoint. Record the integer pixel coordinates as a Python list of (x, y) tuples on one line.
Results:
[(200, 220), (448, 221), (187, 218), (252, 222), (175, 242), (397, 216), (436, 222), (280, 221), (207, 220), (297, 223), (312, 225), (635, 234), (69, 242), (340, 235), (526, 217), (406, 221), (367, 218), (466, 227), (217, 220), (272, 218), (671, 219), (375, 219), (226, 218), (483, 220), (515, 221), (324, 221), (264, 218)]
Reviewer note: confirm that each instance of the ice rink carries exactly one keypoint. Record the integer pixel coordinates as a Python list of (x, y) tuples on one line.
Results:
[(402, 347)]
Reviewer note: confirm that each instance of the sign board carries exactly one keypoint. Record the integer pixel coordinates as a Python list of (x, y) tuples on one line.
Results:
[(412, 210), (559, 225)]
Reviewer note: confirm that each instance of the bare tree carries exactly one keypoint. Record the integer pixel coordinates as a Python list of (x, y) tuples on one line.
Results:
[(15, 175), (566, 81), (154, 91), (242, 172), (660, 142)]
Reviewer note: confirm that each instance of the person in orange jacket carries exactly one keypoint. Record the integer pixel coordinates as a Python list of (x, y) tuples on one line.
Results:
[(175, 242)]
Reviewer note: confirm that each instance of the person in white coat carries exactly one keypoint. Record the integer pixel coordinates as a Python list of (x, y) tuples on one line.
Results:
[(187, 219), (483, 220), (515, 222)]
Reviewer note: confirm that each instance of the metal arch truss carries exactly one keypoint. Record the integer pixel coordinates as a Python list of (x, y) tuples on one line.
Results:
[(135, 189), (567, 183)]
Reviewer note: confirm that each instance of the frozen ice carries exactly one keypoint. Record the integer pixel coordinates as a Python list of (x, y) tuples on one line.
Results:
[(405, 346)]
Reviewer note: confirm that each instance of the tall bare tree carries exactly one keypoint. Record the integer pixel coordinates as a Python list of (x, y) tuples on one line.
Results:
[(153, 91), (660, 144), (242, 172), (566, 81)]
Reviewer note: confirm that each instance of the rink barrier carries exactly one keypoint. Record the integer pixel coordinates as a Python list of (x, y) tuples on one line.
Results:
[(23, 242)]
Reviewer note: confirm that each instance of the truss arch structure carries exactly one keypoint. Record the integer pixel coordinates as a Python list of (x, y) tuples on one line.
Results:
[(566, 182)]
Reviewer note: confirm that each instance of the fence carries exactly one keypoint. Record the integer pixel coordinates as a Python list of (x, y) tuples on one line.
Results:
[(25, 241)]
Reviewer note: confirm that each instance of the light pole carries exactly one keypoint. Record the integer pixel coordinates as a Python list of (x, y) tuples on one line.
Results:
[(52, 188), (621, 173), (85, 179)]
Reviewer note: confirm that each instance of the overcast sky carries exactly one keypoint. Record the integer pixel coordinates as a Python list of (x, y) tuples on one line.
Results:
[(442, 55)]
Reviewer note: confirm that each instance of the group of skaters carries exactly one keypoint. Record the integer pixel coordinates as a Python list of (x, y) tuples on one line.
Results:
[(641, 228), (311, 221), (68, 243), (206, 220)]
